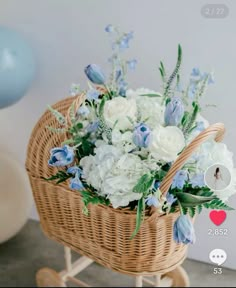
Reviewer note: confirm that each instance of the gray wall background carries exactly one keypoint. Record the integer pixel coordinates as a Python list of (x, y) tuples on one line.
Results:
[(66, 35)]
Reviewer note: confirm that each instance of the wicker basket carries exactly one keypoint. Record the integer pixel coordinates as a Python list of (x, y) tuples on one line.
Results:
[(104, 235)]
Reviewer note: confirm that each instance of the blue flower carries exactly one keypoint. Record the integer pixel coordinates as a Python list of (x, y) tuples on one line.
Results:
[(200, 126), (174, 112), (179, 180), (122, 87), (152, 200), (75, 170), (95, 74), (83, 110), (132, 64), (92, 127), (76, 184), (210, 77), (156, 184), (61, 156), (124, 41), (141, 135), (92, 94), (192, 89), (195, 72), (109, 28), (183, 230), (170, 198), (197, 180)]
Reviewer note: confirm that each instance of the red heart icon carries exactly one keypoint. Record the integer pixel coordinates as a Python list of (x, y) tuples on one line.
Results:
[(217, 216)]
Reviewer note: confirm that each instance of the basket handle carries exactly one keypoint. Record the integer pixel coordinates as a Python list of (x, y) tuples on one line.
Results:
[(217, 130)]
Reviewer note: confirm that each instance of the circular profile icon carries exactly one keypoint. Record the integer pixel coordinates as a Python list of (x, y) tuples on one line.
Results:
[(217, 177)]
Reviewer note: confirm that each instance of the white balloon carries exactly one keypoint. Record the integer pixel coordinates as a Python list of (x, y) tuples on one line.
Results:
[(15, 197)]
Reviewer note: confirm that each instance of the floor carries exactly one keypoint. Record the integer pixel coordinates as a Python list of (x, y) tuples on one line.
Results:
[(30, 250)]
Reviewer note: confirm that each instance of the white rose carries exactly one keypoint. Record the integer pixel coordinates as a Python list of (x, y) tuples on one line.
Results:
[(166, 143), (122, 110)]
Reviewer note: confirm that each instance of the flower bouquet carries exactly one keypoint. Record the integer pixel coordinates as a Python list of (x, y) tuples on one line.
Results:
[(125, 168), (121, 143)]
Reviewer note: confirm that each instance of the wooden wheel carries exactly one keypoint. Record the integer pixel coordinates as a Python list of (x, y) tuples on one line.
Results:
[(178, 276), (47, 277)]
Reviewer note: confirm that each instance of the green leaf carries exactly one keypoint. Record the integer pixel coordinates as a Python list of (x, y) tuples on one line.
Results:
[(151, 95), (199, 209), (174, 73), (60, 118), (144, 184), (189, 200), (139, 216), (217, 204), (192, 211)]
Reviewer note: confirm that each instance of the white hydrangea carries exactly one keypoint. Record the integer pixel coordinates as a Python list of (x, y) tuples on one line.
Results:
[(114, 174), (150, 108)]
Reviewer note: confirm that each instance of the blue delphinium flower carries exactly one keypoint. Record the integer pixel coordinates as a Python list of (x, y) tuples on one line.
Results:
[(200, 126), (92, 94), (83, 110), (197, 180), (132, 64), (174, 112), (170, 198), (183, 230), (95, 74), (210, 77), (192, 89), (92, 127), (61, 156), (152, 200), (122, 87), (179, 179), (195, 72), (109, 28), (141, 135), (76, 184), (74, 170), (124, 41)]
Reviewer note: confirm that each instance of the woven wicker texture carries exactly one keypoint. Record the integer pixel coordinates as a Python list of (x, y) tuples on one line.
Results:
[(104, 235)]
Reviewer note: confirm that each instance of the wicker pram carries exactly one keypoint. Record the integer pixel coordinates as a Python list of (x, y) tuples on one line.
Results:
[(104, 235)]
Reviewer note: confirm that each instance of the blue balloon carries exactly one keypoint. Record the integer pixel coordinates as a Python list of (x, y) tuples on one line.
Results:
[(17, 67)]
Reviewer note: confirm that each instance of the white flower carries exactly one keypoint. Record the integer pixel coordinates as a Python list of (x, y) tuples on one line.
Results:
[(150, 108), (121, 179), (212, 152), (152, 113), (114, 174), (166, 143), (123, 140), (134, 94), (120, 110), (95, 168)]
